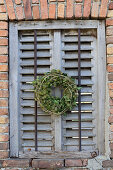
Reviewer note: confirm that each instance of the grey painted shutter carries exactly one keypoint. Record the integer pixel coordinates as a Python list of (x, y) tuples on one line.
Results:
[(27, 115), (46, 123), (88, 90)]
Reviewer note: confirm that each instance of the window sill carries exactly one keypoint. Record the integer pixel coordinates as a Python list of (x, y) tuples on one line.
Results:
[(59, 155)]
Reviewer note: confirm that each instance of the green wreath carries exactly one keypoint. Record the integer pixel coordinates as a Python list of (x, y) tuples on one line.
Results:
[(53, 104)]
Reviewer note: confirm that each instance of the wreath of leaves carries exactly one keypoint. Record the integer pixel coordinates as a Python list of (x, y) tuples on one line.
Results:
[(53, 104)]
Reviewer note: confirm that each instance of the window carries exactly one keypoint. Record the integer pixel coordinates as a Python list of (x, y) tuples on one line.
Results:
[(57, 48)]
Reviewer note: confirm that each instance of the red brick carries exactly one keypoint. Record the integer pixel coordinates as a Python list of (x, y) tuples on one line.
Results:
[(19, 12), (36, 14), (111, 146), (111, 5), (103, 8), (109, 22), (3, 16), (3, 33), (3, 76), (110, 119), (111, 137), (60, 10), (3, 111), (1, 1), (78, 11), (85, 162), (111, 102), (4, 146), (111, 128), (3, 85), (3, 50), (3, 93), (69, 9), (78, 1), (111, 111), (95, 10), (52, 11), (107, 163), (110, 68), (73, 162), (111, 93), (47, 163), (10, 9), (4, 68), (35, 1), (80, 169), (4, 138), (3, 103), (87, 8), (3, 59), (2, 8), (4, 129), (110, 77), (3, 41), (27, 9), (19, 163), (4, 154), (61, 0), (110, 60), (109, 31), (44, 9), (109, 40), (110, 85), (3, 25), (18, 2)]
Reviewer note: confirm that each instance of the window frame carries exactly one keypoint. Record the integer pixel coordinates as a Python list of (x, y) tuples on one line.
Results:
[(14, 28)]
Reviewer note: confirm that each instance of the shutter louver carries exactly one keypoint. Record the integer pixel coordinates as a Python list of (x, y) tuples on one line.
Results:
[(70, 66), (27, 115)]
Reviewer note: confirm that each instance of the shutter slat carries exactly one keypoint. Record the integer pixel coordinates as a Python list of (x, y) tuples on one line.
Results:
[(84, 117), (72, 64), (40, 119), (31, 63), (31, 39), (75, 48), (74, 55), (74, 73), (84, 133), (39, 143), (84, 125), (30, 54), (43, 127), (75, 39), (85, 142), (42, 136), (41, 70), (31, 47)]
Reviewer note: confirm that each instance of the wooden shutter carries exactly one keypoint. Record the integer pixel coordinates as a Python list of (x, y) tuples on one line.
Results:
[(88, 89), (27, 115), (48, 47)]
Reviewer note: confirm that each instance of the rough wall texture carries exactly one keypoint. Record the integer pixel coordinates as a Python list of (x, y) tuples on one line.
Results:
[(45, 10)]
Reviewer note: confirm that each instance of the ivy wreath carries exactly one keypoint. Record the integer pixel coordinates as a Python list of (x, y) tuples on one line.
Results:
[(53, 104)]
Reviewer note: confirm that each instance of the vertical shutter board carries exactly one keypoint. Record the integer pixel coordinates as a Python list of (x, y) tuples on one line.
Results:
[(94, 87), (44, 125), (56, 61), (70, 65)]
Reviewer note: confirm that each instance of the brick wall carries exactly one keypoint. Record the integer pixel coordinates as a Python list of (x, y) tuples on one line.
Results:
[(11, 10)]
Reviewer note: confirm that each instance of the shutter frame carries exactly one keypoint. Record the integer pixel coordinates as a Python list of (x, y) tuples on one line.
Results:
[(99, 25)]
